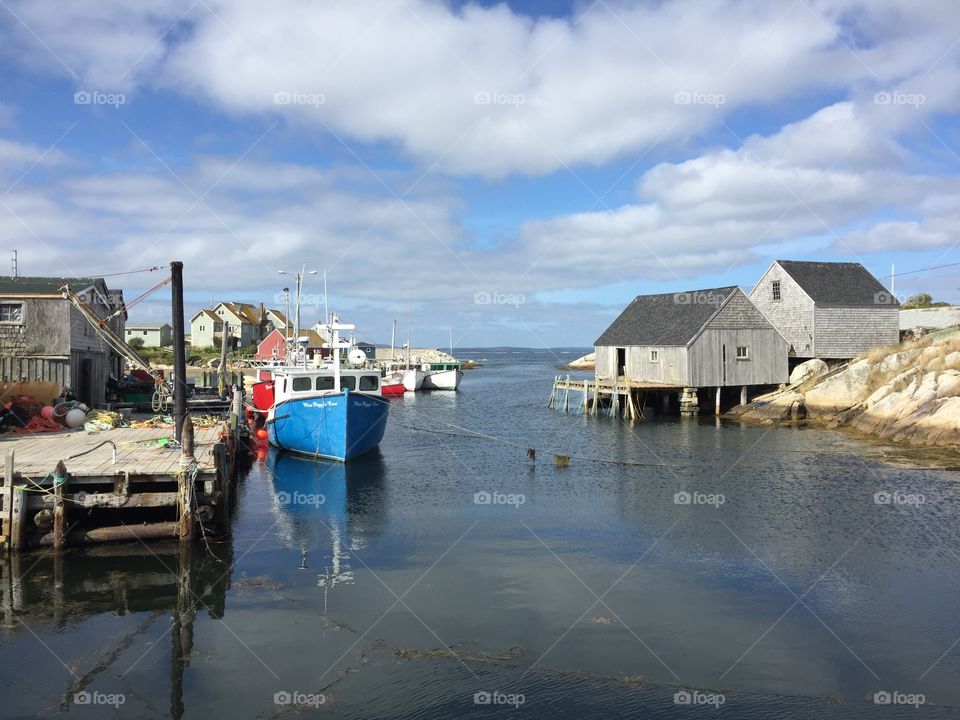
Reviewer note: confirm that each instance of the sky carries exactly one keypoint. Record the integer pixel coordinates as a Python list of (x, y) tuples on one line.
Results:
[(508, 173)]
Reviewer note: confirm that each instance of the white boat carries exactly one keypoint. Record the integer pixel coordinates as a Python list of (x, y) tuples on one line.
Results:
[(441, 376), (412, 379)]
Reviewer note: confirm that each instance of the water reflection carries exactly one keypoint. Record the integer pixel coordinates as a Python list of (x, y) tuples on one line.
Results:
[(326, 509), (58, 591)]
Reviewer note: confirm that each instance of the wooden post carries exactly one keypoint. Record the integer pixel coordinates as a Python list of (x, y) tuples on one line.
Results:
[(187, 455), (59, 507), (716, 410), (18, 507), (186, 525), (179, 348), (743, 395), (666, 403)]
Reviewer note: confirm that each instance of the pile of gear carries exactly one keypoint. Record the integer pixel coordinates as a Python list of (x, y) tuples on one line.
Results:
[(24, 414)]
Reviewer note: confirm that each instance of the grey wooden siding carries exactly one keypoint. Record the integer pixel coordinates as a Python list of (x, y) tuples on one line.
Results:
[(843, 333), (792, 315), (47, 369), (671, 369), (713, 358)]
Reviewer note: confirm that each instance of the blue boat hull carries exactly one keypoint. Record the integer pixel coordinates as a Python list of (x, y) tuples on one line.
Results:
[(338, 427)]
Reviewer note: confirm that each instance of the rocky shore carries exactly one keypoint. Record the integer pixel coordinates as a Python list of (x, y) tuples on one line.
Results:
[(587, 362), (907, 393)]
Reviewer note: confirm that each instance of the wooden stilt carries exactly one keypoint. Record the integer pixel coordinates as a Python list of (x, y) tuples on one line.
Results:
[(186, 526), (743, 395), (716, 409), (18, 506), (59, 507)]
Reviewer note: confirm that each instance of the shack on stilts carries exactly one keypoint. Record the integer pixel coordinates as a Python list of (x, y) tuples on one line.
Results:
[(672, 350)]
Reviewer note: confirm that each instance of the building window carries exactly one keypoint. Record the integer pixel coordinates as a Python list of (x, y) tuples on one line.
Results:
[(11, 313), (654, 356), (743, 352), (145, 333), (202, 328), (775, 286)]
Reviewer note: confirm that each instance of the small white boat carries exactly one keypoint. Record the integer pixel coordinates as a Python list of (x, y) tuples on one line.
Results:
[(442, 376), (412, 379)]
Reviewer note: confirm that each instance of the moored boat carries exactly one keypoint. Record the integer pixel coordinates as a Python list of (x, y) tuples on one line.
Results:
[(326, 411), (412, 379), (442, 376)]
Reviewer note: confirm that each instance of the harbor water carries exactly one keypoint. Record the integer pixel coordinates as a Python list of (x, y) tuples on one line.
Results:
[(674, 567)]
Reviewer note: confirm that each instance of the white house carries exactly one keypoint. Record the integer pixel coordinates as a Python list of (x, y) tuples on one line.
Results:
[(152, 334)]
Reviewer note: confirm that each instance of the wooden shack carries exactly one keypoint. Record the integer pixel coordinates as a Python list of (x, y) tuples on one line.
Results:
[(829, 310), (43, 338)]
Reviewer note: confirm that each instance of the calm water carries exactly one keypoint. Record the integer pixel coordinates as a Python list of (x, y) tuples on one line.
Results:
[(598, 595)]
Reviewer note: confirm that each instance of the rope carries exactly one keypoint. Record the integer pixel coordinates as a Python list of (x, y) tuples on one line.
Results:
[(560, 459)]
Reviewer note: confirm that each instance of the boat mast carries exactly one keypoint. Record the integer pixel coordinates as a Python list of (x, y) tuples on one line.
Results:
[(393, 339)]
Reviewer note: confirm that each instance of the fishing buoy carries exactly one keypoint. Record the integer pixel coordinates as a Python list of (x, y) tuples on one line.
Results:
[(46, 412), (261, 454), (75, 418), (261, 434)]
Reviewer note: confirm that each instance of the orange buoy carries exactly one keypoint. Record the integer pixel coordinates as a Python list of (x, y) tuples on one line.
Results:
[(261, 434)]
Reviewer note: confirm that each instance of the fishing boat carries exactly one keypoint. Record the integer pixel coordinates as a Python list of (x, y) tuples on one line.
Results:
[(327, 411), (412, 379), (392, 384), (441, 376)]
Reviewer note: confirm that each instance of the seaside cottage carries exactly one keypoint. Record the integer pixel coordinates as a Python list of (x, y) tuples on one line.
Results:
[(154, 335), (829, 310), (43, 338), (712, 338), (249, 324)]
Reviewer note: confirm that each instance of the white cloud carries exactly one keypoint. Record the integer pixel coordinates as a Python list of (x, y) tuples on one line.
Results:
[(552, 92)]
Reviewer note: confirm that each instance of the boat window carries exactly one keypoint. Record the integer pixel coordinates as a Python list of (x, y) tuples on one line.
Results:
[(301, 384), (369, 382), (325, 382), (349, 382)]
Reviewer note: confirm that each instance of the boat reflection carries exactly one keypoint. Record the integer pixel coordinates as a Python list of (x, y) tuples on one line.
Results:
[(326, 509)]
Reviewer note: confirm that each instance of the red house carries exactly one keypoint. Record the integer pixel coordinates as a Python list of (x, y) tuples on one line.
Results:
[(274, 346)]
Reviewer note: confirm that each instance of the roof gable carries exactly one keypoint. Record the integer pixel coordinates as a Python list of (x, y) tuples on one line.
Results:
[(838, 283), (665, 319)]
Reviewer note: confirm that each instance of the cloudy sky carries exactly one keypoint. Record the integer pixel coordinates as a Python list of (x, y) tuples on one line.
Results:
[(516, 171)]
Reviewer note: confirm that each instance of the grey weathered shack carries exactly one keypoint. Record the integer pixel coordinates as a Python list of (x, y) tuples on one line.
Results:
[(830, 310), (703, 338), (43, 337)]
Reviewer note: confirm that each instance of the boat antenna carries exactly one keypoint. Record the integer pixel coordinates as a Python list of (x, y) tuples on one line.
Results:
[(326, 305)]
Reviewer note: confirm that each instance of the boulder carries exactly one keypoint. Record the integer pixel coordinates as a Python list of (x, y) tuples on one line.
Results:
[(841, 391), (806, 370)]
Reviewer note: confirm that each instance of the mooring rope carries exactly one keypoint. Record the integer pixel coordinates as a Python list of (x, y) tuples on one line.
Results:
[(559, 458)]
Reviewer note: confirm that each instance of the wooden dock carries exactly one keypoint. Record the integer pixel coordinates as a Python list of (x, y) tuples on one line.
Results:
[(627, 399), (80, 487)]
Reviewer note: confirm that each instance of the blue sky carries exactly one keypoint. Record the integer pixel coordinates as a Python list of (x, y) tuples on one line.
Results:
[(516, 172)]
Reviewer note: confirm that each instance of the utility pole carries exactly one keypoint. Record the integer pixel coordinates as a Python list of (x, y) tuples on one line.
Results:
[(179, 349), (13, 265)]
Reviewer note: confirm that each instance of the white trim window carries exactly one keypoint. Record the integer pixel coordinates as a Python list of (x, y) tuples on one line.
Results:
[(654, 355), (11, 313), (775, 290), (743, 352)]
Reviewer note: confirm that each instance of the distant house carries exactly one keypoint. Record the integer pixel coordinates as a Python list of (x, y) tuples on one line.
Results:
[(830, 310), (248, 324), (274, 345), (43, 337), (705, 338), (152, 334)]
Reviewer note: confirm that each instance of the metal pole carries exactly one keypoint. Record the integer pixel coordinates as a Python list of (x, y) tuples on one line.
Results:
[(179, 349)]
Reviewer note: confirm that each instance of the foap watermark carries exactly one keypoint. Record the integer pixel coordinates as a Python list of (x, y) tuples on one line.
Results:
[(699, 498), (87, 697), (96, 97), (299, 498), (498, 498), (307, 300), (696, 97), (698, 298), (300, 699), (894, 697), (895, 497), (498, 298), (484, 97), (897, 97), (885, 297), (698, 697), (495, 697), (299, 98)]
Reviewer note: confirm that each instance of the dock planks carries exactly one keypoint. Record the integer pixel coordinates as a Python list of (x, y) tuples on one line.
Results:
[(37, 455)]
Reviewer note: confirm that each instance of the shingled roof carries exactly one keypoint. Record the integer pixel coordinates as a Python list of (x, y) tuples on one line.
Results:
[(666, 319), (46, 285), (838, 283)]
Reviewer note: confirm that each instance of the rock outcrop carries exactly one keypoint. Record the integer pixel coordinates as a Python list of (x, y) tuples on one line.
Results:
[(908, 393)]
